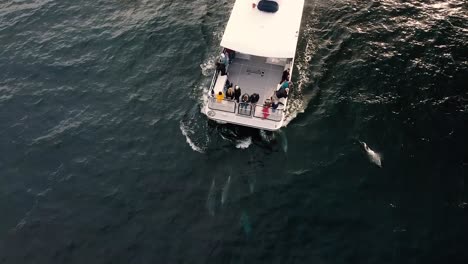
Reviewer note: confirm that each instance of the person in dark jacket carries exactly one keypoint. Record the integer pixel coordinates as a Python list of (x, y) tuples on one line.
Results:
[(237, 93), (282, 93), (254, 98), (285, 76), (220, 67), (245, 101), (231, 54)]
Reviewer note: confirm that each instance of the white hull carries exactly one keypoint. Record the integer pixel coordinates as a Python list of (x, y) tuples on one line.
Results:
[(257, 67)]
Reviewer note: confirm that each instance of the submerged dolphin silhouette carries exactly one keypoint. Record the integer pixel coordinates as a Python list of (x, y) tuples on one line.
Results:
[(284, 141), (210, 200), (245, 222), (225, 190)]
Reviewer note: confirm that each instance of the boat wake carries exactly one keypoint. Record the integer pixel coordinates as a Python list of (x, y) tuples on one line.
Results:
[(300, 97), (208, 66), (266, 136), (196, 132), (244, 143), (196, 143)]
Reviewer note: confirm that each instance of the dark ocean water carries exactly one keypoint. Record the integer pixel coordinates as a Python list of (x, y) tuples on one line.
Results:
[(106, 158)]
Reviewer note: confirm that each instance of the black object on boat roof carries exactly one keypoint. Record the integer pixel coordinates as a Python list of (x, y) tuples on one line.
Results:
[(268, 6)]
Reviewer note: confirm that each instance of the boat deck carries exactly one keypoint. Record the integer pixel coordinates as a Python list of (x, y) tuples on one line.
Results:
[(255, 76)]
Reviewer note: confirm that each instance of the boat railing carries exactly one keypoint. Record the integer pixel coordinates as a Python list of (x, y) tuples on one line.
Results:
[(222, 105), (213, 81), (244, 109), (269, 113)]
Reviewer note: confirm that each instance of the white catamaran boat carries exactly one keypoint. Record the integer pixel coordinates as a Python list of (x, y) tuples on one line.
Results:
[(250, 85)]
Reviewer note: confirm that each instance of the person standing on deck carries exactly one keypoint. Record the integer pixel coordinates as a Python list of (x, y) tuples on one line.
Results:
[(220, 67), (226, 59), (222, 59), (230, 93), (220, 97), (282, 93), (221, 64), (285, 76), (231, 54), (245, 101), (237, 93), (285, 85), (266, 108)]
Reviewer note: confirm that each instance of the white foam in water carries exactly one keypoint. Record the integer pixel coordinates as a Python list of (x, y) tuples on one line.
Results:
[(243, 144), (186, 131), (225, 138), (207, 67), (267, 138)]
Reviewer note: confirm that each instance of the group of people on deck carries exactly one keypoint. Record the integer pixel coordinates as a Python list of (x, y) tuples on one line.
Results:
[(235, 93), (282, 92), (231, 94)]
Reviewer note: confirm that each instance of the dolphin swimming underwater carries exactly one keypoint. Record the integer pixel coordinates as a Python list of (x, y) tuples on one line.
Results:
[(225, 190), (210, 200), (284, 141), (373, 156), (245, 223)]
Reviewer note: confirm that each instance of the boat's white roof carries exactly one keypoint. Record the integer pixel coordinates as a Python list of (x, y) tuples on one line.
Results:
[(259, 33)]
